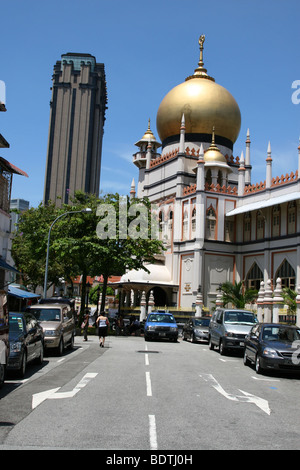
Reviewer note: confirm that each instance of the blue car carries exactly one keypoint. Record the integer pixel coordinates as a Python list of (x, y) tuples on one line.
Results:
[(160, 325)]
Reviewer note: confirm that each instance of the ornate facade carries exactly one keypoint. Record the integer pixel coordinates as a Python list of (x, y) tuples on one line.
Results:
[(216, 224)]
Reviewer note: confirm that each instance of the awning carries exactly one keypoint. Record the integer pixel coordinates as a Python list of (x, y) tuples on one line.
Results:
[(263, 203), (20, 293), (12, 168), (7, 267)]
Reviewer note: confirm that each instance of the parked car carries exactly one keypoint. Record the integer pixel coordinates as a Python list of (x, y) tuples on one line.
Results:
[(229, 327), (273, 346), (26, 342), (4, 345), (196, 329), (160, 325), (58, 324)]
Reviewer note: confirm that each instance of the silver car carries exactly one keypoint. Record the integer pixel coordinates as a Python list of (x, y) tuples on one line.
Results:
[(58, 325), (228, 328)]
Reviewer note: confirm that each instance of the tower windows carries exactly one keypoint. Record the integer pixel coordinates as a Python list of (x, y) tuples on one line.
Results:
[(211, 223)]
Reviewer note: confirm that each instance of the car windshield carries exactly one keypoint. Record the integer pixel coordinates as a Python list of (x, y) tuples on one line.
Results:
[(160, 317), (202, 322), (15, 324), (240, 317), (46, 314), (281, 333)]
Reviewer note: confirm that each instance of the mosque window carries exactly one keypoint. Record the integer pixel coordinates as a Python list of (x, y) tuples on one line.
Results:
[(229, 230), (260, 225), (208, 177), (170, 225), (291, 217), (194, 222), (276, 221), (254, 277), (286, 274), (185, 230), (161, 225), (220, 178), (211, 220), (247, 227)]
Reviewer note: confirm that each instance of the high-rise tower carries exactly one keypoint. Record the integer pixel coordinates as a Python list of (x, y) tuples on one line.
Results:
[(77, 115)]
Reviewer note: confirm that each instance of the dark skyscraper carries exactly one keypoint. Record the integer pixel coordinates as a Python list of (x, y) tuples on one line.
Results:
[(77, 115)]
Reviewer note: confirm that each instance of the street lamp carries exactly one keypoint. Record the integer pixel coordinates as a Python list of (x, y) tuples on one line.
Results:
[(87, 209)]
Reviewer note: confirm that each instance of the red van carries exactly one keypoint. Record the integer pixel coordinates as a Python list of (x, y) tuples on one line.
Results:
[(4, 344)]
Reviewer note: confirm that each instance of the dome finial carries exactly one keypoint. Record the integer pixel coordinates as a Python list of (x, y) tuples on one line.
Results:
[(200, 71)]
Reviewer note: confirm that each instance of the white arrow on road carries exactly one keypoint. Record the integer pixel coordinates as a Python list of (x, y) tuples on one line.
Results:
[(52, 394), (246, 398)]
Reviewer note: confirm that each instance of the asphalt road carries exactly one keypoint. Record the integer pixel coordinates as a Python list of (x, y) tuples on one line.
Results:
[(156, 396)]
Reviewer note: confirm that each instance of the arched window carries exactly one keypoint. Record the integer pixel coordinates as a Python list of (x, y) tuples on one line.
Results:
[(208, 177), (211, 220), (254, 277), (286, 274), (260, 225), (247, 227), (170, 225), (229, 229), (161, 225), (185, 230), (220, 178), (194, 222), (276, 221), (291, 217)]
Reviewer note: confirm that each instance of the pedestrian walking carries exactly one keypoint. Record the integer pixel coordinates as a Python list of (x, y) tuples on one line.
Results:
[(103, 324), (85, 324)]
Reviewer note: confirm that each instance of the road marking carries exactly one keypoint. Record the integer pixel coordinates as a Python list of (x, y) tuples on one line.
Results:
[(266, 379), (52, 394), (152, 432), (148, 383), (147, 359), (246, 398)]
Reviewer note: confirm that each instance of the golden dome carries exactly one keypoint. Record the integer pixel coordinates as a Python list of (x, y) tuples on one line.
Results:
[(213, 154), (204, 104)]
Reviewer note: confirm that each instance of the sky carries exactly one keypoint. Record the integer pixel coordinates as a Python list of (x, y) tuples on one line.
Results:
[(147, 48)]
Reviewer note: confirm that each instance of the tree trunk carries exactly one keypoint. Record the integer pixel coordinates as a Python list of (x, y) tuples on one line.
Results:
[(104, 288)]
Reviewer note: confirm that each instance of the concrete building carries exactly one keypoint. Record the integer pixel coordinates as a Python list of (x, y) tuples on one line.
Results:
[(77, 116), (216, 224)]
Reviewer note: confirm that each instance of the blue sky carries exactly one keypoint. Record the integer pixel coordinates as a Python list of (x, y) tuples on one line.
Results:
[(148, 47)]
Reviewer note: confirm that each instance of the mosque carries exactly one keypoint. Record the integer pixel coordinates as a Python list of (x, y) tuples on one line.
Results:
[(215, 223)]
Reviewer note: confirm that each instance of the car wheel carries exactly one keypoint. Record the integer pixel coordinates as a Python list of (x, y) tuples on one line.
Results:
[(222, 348), (60, 348), (2, 374), (40, 359), (258, 367), (211, 345), (22, 369), (245, 358), (71, 345)]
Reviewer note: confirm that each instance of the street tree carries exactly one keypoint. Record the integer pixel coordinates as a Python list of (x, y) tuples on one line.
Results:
[(235, 294)]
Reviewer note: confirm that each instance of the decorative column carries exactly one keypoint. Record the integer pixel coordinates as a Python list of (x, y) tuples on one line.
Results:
[(268, 302), (247, 159), (241, 181), (143, 307), (298, 306), (260, 302), (199, 303), (269, 168), (277, 301), (219, 302), (150, 302)]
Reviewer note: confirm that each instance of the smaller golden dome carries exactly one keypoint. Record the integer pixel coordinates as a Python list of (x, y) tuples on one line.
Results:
[(148, 136), (213, 154)]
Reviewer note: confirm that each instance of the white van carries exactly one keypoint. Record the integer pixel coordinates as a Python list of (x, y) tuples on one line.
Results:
[(228, 328)]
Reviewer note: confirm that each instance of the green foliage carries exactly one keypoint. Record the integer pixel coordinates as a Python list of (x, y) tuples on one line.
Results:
[(75, 247), (289, 296), (235, 294)]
